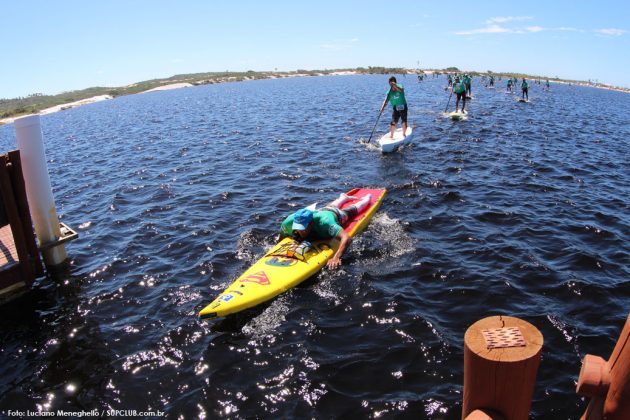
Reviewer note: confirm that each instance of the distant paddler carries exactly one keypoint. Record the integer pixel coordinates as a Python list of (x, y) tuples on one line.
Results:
[(547, 84), (525, 89), (326, 223), (492, 81), (449, 78), (396, 97), (509, 85), (459, 88), (468, 84)]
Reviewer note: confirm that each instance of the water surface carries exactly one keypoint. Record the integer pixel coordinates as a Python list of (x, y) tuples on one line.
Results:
[(521, 210)]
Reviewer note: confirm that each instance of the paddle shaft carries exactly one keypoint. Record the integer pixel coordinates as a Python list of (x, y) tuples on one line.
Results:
[(378, 118), (449, 100)]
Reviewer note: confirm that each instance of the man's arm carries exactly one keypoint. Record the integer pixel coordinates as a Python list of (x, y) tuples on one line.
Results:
[(344, 241), (385, 102)]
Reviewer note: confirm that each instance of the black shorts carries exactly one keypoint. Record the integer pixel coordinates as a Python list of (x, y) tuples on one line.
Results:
[(460, 95), (396, 115)]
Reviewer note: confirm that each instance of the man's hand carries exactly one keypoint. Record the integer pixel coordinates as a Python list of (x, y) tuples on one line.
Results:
[(333, 263)]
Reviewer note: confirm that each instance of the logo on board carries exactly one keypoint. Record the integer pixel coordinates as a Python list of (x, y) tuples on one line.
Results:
[(281, 262), (259, 278)]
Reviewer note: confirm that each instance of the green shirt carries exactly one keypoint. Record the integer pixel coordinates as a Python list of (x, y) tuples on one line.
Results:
[(524, 85), (395, 97), (325, 226), (459, 87), (467, 80)]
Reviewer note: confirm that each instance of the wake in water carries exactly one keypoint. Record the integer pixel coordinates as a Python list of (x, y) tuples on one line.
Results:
[(383, 244)]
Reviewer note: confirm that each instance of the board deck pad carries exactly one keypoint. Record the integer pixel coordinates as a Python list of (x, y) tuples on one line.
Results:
[(281, 268), (389, 144)]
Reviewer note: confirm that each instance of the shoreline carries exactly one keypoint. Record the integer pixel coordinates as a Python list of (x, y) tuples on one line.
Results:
[(276, 75)]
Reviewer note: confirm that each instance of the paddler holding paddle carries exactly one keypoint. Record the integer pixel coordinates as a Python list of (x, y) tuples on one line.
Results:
[(525, 88), (326, 223), (396, 97), (459, 87)]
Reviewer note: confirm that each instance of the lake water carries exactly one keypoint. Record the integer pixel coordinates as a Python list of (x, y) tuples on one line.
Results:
[(521, 210)]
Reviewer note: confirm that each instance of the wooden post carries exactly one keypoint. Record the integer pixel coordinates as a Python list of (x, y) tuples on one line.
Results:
[(501, 358), (608, 382), (15, 221), (19, 189)]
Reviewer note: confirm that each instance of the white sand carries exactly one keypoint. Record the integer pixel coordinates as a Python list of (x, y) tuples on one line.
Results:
[(169, 87), (86, 101), (57, 108)]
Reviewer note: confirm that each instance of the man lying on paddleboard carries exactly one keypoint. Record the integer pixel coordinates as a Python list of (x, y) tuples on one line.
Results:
[(326, 223)]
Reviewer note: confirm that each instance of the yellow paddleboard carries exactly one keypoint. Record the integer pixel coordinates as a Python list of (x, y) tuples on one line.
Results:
[(281, 268)]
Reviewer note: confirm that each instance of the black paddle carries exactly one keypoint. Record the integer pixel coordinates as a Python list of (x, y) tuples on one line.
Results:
[(449, 100), (377, 118)]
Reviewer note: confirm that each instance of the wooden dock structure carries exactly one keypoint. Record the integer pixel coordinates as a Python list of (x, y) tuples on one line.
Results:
[(20, 261)]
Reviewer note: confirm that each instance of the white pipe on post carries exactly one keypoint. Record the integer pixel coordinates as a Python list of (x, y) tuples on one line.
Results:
[(38, 189)]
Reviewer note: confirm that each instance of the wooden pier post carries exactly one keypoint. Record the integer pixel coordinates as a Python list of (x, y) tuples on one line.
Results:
[(608, 382), (501, 359)]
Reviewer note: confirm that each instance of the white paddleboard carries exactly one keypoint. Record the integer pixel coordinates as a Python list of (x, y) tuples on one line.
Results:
[(389, 144), (457, 116)]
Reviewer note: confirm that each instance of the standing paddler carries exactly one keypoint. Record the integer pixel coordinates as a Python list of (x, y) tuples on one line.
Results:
[(396, 97), (459, 88), (468, 84)]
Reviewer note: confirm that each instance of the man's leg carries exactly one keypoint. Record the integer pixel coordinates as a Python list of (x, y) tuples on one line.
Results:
[(340, 200)]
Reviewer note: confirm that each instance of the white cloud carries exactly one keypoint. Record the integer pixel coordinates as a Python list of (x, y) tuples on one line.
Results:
[(494, 25), (535, 28), (611, 31), (501, 25), (490, 29), (504, 19)]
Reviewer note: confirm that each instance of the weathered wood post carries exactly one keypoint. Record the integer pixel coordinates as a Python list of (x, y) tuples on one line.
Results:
[(501, 359), (608, 382), (38, 188)]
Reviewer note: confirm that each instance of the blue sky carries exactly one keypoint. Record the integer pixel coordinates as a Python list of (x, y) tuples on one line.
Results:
[(55, 46)]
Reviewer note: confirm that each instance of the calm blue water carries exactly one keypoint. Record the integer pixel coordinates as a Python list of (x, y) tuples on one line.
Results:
[(522, 210)]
